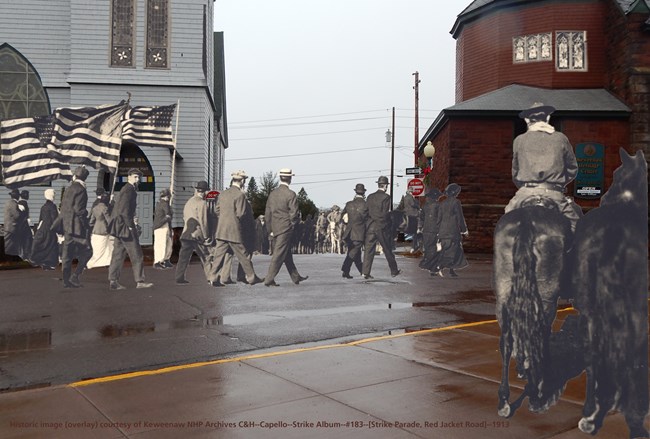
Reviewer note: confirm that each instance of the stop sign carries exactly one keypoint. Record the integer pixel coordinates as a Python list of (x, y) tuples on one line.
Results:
[(211, 195), (416, 185)]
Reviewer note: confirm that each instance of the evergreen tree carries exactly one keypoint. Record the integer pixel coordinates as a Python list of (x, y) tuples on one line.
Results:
[(306, 206), (268, 182)]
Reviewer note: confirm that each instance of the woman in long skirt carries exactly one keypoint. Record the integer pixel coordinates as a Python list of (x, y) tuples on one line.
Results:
[(100, 240), (452, 226), (45, 249)]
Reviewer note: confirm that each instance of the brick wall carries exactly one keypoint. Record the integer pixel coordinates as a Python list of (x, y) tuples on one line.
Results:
[(484, 58)]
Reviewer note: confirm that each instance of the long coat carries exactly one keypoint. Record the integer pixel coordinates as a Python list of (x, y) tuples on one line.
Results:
[(45, 250), (231, 208), (357, 212), (74, 212), (12, 237), (195, 215), (379, 211), (282, 212), (123, 213), (452, 225)]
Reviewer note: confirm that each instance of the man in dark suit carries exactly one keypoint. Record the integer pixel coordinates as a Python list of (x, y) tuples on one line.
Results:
[(126, 235), (282, 216), (197, 234), (76, 230), (234, 211), (378, 229), (12, 215), (356, 212)]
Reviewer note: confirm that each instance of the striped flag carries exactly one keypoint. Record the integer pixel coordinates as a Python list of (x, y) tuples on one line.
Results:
[(149, 126), (89, 136), (25, 159)]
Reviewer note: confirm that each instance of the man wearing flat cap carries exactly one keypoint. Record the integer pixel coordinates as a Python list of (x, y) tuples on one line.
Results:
[(356, 213), (76, 228), (126, 235), (197, 235), (235, 230), (543, 163), (282, 215), (162, 232), (378, 229)]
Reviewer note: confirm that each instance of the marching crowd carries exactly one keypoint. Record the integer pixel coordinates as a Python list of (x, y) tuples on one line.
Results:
[(218, 232)]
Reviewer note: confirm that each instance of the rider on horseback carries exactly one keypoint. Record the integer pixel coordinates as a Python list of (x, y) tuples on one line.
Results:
[(543, 163)]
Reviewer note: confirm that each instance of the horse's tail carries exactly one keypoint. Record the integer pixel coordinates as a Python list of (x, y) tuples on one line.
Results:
[(529, 329)]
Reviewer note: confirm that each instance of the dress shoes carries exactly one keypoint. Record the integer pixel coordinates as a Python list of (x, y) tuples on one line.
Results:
[(228, 282), (347, 276), (159, 266), (114, 286), (144, 285), (256, 280), (167, 264), (271, 284), (216, 283), (397, 273), (300, 279), (70, 285), (367, 276), (74, 280), (182, 281), (452, 273)]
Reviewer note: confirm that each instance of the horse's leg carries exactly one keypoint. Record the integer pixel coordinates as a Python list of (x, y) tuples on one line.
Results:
[(590, 409), (505, 346)]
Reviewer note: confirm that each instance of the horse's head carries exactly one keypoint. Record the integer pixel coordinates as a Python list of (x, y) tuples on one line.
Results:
[(630, 185)]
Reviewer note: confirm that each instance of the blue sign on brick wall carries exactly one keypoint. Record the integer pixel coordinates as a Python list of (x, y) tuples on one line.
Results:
[(590, 181)]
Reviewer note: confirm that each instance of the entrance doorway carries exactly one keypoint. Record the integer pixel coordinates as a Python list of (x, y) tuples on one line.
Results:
[(131, 156)]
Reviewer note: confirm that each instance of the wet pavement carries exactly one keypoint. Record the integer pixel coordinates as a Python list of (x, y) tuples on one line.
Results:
[(402, 382)]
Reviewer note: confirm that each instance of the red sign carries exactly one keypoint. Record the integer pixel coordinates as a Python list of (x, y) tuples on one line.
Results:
[(212, 195), (416, 185)]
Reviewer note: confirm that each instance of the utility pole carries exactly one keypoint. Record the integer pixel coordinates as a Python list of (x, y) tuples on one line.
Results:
[(417, 119), (392, 159)]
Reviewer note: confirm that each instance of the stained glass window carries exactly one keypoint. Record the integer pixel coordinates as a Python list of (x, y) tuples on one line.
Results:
[(571, 51), (157, 33), (122, 32), (530, 48)]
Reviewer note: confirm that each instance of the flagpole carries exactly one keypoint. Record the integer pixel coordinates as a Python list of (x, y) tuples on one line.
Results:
[(171, 183), (128, 102)]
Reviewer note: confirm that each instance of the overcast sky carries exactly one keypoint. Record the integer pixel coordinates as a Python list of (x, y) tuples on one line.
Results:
[(310, 86)]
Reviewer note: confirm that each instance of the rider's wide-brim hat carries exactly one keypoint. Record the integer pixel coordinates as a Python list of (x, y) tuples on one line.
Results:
[(537, 109)]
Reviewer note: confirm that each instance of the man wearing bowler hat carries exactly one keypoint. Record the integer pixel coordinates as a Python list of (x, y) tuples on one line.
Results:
[(378, 229), (76, 228), (126, 235), (356, 213), (543, 163), (282, 216), (196, 236), (235, 230)]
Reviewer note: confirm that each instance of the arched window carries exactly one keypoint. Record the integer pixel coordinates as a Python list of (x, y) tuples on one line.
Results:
[(21, 90), (157, 34)]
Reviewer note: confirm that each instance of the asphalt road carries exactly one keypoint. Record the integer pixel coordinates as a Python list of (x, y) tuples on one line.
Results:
[(50, 335)]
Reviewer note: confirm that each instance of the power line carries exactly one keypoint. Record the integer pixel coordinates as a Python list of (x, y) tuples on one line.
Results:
[(306, 117), (310, 134), (305, 123), (302, 154)]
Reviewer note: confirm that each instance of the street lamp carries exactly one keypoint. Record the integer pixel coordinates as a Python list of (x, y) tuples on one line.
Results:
[(429, 151)]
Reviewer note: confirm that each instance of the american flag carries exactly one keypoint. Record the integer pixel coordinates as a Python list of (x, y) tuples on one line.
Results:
[(89, 136), (25, 159), (149, 126)]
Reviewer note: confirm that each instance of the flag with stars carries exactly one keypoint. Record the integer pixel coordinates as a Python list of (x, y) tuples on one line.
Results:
[(25, 159), (149, 126), (90, 136)]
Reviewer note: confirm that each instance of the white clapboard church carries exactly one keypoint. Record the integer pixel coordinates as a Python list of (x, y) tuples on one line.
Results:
[(80, 53)]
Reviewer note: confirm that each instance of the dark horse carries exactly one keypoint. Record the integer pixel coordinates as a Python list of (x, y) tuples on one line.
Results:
[(530, 244), (609, 270)]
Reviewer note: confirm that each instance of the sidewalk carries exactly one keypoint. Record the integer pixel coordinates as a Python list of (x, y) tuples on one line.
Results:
[(438, 383)]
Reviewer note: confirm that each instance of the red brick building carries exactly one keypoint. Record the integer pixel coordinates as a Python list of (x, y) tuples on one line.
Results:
[(590, 59)]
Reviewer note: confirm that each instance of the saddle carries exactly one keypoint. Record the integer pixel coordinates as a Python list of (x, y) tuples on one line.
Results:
[(539, 200)]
